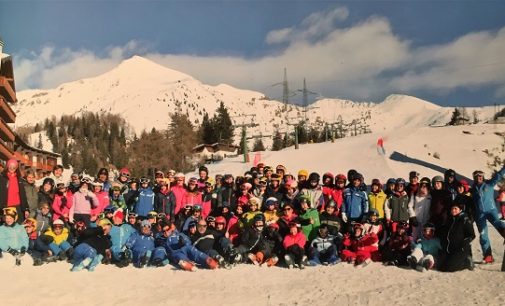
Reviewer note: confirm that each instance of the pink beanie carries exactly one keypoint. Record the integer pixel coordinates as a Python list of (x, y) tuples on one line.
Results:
[(12, 161)]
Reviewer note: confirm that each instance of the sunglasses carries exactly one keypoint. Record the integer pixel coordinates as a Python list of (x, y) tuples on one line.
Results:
[(125, 174), (58, 226), (287, 209), (201, 225)]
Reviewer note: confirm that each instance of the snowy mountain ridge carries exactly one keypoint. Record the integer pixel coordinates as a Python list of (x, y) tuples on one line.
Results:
[(145, 93)]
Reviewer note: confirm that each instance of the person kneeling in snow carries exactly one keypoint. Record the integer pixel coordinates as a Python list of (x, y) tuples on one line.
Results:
[(359, 248), (119, 235), (253, 241), (13, 237), (426, 251), (180, 251), (398, 247), (294, 244), (93, 244), (141, 245), (57, 236), (323, 249)]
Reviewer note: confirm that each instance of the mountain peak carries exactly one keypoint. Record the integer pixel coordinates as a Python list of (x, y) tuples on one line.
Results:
[(138, 65)]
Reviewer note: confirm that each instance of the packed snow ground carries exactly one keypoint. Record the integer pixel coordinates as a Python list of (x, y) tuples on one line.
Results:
[(54, 284)]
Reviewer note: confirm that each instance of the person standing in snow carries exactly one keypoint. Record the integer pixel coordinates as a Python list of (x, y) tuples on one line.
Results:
[(355, 207), (485, 209), (420, 202)]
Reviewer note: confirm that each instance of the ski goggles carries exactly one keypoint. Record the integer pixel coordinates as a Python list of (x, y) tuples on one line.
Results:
[(86, 180), (144, 181)]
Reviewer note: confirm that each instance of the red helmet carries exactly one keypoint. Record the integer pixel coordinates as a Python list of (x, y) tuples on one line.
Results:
[(220, 219), (124, 170), (340, 177)]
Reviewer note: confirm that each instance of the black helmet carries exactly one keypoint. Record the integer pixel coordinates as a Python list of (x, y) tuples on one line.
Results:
[(259, 217), (425, 180), (314, 176), (373, 212), (49, 181), (448, 173), (403, 224), (400, 181)]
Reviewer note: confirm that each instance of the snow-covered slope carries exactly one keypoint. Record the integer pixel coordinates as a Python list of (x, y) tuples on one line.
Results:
[(145, 93), (458, 147)]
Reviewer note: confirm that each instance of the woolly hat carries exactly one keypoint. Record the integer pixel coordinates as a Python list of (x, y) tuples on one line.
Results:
[(118, 214), (12, 162)]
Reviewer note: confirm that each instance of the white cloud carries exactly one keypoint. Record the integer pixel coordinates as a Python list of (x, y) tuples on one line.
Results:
[(362, 61), (51, 67)]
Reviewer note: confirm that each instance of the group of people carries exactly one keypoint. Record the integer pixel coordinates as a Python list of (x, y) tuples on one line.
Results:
[(266, 216)]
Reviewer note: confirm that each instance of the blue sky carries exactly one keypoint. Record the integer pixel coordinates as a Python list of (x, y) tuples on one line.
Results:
[(447, 52)]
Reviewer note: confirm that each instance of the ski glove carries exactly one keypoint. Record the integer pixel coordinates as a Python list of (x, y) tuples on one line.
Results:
[(344, 218)]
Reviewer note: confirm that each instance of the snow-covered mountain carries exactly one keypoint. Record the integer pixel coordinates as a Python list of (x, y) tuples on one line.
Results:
[(145, 93)]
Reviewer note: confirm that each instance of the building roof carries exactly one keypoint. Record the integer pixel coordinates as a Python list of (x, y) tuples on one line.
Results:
[(23, 144)]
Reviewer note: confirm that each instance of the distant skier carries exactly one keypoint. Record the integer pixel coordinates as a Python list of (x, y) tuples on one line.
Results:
[(380, 146)]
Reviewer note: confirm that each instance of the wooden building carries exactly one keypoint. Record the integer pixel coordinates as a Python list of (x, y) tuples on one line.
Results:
[(11, 146), (214, 152), (7, 96)]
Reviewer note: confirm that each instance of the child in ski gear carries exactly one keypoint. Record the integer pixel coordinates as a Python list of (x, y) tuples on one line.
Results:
[(398, 247), (374, 225), (323, 249), (314, 192), (92, 246), (425, 255), (421, 202), (377, 198), (116, 198), (59, 245), (311, 218), (13, 236), (84, 201), (43, 217), (440, 202), (329, 217), (252, 242), (271, 213), (62, 202), (464, 197), (355, 207), (119, 235), (141, 245), (145, 198), (294, 244), (359, 246), (397, 208)]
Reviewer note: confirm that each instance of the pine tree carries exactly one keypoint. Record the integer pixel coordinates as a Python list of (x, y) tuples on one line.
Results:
[(278, 143), (303, 137), (258, 145), (182, 139), (222, 124), (207, 132), (475, 117), (456, 114), (39, 143)]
